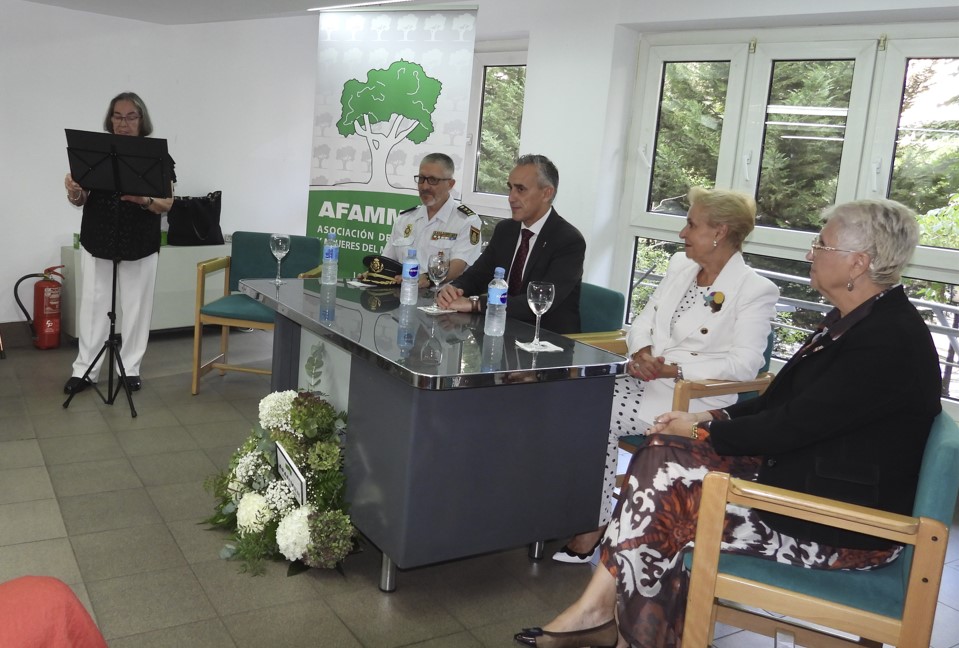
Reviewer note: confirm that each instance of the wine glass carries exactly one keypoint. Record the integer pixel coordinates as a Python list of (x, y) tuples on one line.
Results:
[(438, 267), (540, 295), (279, 246), (431, 353)]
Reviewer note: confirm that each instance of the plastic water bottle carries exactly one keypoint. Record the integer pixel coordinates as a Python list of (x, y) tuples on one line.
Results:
[(327, 304), (492, 353), (406, 329), (410, 285), (331, 256), (496, 304)]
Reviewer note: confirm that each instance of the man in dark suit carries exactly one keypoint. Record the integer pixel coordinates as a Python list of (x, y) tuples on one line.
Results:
[(554, 251)]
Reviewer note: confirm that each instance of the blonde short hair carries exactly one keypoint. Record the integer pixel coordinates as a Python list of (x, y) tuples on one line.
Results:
[(734, 209)]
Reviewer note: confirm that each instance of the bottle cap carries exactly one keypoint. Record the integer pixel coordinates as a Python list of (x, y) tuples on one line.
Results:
[(499, 273)]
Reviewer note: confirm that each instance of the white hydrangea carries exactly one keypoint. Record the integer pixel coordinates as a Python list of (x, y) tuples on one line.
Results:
[(279, 496), (252, 513), (275, 410), (293, 533)]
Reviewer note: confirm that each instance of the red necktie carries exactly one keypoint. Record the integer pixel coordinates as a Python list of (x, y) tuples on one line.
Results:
[(519, 263)]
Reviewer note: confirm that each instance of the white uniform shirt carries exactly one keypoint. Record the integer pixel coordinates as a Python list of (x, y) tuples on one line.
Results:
[(454, 230)]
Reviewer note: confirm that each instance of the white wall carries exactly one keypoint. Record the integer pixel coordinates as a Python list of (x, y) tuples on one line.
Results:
[(235, 100)]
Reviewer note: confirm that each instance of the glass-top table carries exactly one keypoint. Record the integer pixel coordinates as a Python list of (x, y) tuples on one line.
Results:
[(445, 351), (457, 444)]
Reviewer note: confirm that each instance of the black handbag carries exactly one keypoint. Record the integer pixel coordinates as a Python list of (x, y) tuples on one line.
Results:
[(195, 220)]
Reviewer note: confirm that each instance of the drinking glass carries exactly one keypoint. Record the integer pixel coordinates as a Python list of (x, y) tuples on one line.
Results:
[(539, 295), (431, 353), (279, 246), (438, 267)]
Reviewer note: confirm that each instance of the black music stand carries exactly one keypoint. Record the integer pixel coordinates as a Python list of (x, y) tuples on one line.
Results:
[(135, 166)]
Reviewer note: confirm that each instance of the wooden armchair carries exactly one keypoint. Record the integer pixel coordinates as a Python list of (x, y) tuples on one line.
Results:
[(250, 259), (894, 605)]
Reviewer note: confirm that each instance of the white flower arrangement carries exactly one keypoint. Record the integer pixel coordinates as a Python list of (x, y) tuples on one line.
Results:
[(260, 507)]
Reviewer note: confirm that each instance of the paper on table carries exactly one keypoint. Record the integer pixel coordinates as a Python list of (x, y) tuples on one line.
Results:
[(544, 347), (435, 310)]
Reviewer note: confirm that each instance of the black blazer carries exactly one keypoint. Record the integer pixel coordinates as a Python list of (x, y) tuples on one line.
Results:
[(848, 421), (556, 256)]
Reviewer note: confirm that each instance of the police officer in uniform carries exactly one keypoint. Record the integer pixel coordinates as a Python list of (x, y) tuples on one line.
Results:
[(440, 224)]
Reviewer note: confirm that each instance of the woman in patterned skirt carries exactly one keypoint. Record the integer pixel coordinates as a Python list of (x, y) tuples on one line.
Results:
[(819, 429)]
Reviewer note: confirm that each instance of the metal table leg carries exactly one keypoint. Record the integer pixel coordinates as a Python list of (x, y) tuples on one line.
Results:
[(536, 550), (387, 575)]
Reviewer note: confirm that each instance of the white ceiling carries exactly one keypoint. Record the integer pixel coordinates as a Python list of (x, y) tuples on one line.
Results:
[(184, 12)]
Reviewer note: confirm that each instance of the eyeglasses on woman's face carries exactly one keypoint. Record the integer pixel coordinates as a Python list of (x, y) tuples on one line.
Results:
[(130, 118), (817, 246), (430, 180)]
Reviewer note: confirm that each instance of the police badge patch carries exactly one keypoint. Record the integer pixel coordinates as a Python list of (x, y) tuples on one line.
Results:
[(408, 231), (474, 235)]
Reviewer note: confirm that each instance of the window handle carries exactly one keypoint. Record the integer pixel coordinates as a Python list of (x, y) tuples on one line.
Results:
[(747, 160), (876, 168)]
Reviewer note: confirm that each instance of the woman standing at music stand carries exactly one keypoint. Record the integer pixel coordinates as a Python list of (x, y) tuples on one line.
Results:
[(123, 227)]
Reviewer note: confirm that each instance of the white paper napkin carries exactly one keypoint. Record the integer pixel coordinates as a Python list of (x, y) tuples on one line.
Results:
[(545, 347)]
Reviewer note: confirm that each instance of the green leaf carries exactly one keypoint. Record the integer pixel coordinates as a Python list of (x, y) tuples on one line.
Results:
[(227, 552)]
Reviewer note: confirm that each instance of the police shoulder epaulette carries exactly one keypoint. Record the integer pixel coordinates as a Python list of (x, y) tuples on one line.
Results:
[(413, 208), (466, 210)]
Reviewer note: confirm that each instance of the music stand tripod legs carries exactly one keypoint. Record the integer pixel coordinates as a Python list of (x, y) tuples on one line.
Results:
[(112, 348)]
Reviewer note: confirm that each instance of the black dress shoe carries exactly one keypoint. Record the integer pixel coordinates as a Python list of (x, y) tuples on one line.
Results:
[(134, 383), (602, 636), (76, 385)]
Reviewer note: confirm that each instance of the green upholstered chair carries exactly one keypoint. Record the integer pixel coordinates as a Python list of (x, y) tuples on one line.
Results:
[(600, 309), (894, 605), (250, 258)]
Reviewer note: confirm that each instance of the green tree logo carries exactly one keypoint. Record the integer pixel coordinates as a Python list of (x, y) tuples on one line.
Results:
[(391, 105)]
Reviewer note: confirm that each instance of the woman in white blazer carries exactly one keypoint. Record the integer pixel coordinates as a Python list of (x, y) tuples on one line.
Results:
[(708, 318)]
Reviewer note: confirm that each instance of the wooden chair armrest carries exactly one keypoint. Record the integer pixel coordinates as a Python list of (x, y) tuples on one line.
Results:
[(612, 341), (687, 390), (204, 268), (312, 273), (821, 510), (212, 265)]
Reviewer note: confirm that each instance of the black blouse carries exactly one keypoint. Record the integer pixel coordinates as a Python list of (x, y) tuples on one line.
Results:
[(116, 229)]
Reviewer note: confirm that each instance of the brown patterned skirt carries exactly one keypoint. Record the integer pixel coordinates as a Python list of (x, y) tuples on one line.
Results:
[(655, 520)]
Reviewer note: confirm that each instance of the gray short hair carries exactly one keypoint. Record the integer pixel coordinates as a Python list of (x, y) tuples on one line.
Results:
[(884, 229), (441, 159), (545, 169)]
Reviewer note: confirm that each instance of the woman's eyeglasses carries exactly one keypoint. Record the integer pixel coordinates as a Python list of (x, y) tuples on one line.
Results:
[(130, 119), (817, 246)]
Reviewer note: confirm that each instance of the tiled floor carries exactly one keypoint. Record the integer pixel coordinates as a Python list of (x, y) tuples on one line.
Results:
[(110, 504)]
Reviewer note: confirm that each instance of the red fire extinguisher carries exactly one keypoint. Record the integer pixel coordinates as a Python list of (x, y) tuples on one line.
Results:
[(45, 324)]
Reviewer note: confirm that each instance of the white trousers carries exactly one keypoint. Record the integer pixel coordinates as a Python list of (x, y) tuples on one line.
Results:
[(135, 284)]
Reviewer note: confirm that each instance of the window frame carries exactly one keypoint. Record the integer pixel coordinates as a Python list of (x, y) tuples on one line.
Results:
[(485, 203), (870, 129)]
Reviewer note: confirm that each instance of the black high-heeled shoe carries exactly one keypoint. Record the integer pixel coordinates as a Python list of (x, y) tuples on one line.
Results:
[(602, 636), (570, 557)]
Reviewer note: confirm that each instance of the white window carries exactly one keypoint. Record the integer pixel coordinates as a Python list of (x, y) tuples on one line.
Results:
[(801, 119), (496, 116)]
